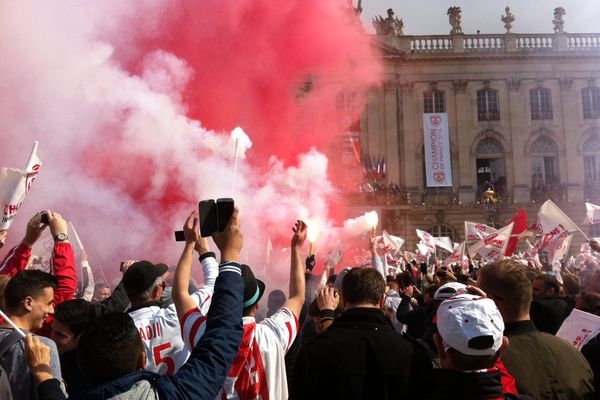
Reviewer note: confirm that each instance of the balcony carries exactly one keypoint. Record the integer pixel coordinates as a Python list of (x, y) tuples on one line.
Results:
[(552, 191)]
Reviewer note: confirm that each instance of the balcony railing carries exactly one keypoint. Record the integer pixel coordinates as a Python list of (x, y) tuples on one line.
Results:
[(509, 42), (554, 192)]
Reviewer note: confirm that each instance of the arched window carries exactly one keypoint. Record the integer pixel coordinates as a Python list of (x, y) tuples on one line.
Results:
[(442, 230), (540, 100), (590, 98), (544, 162), (434, 101), (491, 171), (488, 105)]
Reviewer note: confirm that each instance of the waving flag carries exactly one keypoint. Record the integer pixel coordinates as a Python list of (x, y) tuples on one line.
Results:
[(427, 239), (520, 220), (592, 215), (494, 245), (14, 185)]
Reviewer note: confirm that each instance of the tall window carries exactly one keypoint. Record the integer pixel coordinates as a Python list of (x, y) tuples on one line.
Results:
[(434, 101), (490, 166), (544, 163), (487, 105), (541, 103), (590, 97), (442, 230)]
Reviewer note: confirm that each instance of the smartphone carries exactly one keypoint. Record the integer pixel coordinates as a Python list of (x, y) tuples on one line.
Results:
[(224, 210), (208, 217), (179, 236), (44, 218)]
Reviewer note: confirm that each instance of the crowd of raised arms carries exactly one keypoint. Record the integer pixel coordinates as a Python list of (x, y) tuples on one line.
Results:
[(424, 332)]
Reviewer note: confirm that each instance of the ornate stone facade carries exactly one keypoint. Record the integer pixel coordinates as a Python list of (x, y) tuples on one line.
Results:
[(532, 98)]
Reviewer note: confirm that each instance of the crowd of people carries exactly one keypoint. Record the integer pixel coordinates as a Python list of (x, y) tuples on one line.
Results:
[(423, 332)]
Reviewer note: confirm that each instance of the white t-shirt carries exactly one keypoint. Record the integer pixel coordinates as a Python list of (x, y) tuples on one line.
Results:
[(161, 333), (258, 371), (392, 301)]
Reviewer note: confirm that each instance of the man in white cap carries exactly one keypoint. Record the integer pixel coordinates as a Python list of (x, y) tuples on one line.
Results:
[(469, 342)]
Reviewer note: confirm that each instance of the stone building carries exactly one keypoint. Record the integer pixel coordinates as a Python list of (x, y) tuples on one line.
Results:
[(523, 115)]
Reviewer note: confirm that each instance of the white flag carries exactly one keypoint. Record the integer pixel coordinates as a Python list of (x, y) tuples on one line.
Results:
[(427, 239), (423, 250), (14, 185), (475, 231), (557, 246), (592, 215), (494, 245), (389, 244), (445, 243), (553, 220), (456, 256)]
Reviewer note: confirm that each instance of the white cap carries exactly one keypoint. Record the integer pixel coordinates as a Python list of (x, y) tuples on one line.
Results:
[(462, 319), (450, 289)]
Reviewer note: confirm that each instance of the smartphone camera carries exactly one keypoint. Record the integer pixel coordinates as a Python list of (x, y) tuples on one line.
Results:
[(44, 218)]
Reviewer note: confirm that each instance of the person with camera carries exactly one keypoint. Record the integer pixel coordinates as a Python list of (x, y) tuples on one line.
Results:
[(63, 259), (112, 355)]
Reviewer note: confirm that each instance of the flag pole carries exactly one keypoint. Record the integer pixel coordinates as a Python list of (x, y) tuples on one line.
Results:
[(17, 329)]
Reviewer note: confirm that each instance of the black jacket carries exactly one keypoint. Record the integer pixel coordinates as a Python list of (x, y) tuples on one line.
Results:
[(457, 385), (549, 314), (361, 356)]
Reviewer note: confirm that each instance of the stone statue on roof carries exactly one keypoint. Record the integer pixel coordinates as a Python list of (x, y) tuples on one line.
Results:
[(388, 26), (508, 19), (559, 24), (454, 17)]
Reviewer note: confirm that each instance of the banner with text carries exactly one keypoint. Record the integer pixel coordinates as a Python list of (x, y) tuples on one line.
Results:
[(438, 165)]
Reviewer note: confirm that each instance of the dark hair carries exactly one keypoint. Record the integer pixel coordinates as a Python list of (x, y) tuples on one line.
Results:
[(30, 282), (591, 300), (507, 281), (406, 279), (362, 285), (77, 315), (571, 283), (110, 348), (549, 281)]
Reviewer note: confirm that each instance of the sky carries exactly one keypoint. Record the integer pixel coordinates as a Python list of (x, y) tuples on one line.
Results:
[(428, 17)]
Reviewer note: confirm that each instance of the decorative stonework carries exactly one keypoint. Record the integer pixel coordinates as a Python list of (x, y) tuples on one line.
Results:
[(460, 85), (454, 17), (433, 85), (565, 83), (508, 19), (559, 24), (407, 87), (487, 84), (513, 84), (388, 26)]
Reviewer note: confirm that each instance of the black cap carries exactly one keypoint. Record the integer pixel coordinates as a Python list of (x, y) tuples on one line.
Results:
[(141, 275), (253, 288)]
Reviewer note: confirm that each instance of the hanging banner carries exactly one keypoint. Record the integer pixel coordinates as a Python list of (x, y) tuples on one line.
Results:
[(438, 165)]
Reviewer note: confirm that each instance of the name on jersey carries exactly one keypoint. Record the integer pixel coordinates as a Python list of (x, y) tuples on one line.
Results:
[(152, 331)]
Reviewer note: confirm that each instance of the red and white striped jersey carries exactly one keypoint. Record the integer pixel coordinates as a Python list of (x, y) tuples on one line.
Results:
[(163, 336), (258, 371)]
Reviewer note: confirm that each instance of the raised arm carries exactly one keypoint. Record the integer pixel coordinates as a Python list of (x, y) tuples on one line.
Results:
[(181, 297), (297, 283), (203, 375), (17, 257)]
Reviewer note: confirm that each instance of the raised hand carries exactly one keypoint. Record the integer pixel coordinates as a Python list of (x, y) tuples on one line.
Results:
[(34, 230), (230, 241), (299, 237)]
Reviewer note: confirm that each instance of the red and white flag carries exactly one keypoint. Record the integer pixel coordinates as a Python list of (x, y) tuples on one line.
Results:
[(456, 256), (14, 185), (475, 231), (389, 244), (553, 220), (592, 215), (494, 245), (557, 246), (427, 239), (520, 220)]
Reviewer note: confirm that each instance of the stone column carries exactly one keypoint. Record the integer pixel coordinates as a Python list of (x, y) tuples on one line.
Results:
[(567, 115), (463, 117), (520, 173), (391, 148)]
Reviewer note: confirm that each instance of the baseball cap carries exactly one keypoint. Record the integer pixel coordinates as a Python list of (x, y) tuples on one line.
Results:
[(253, 288), (450, 289), (140, 276), (471, 325)]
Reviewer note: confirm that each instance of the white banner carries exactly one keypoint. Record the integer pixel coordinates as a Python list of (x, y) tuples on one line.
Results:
[(592, 214), (14, 185), (579, 328), (475, 231), (389, 244), (438, 164), (427, 239)]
